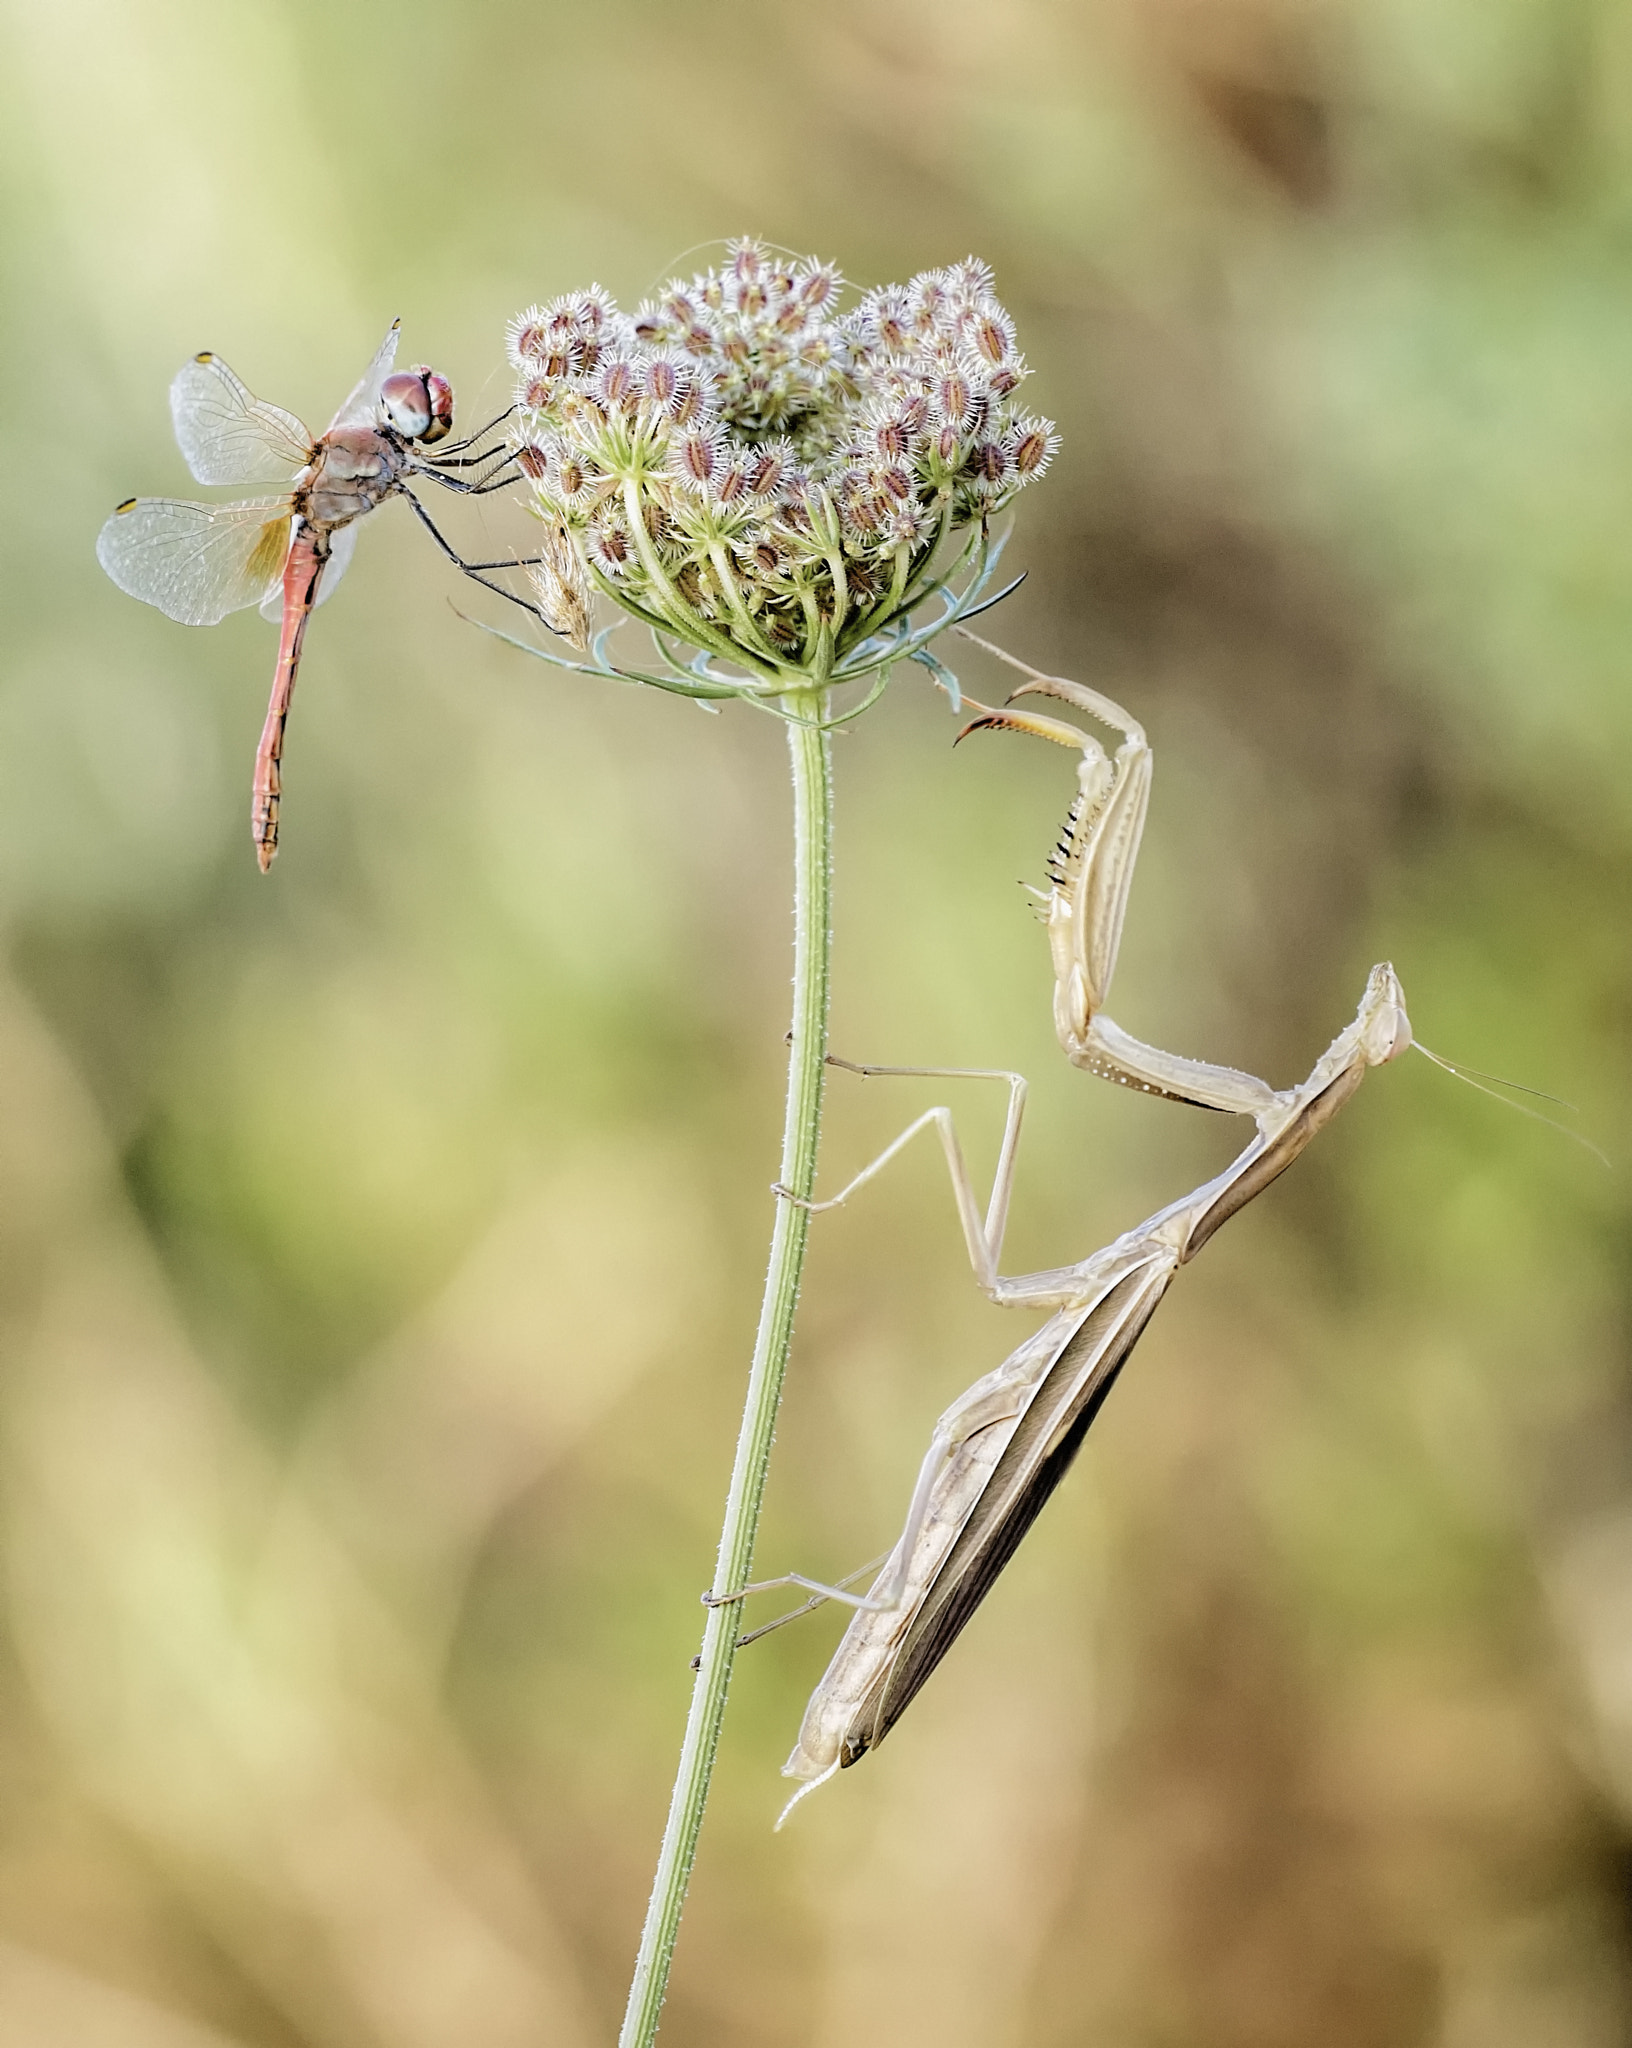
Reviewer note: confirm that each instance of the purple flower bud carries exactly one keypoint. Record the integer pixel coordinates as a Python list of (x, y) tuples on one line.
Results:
[(526, 337), (970, 281), (610, 548), (990, 470), (818, 287), (616, 382), (772, 465), (954, 398), (693, 400), (1032, 444), (662, 381), (694, 456), (887, 315), (992, 334), (731, 483), (747, 260)]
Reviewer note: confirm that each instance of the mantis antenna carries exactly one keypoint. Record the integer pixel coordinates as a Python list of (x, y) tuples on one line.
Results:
[(1475, 1079)]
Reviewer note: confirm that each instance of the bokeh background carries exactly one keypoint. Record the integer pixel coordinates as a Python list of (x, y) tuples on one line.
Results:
[(380, 1242)]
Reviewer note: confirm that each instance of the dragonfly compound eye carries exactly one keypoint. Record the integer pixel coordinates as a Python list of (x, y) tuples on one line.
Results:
[(406, 403), (440, 392)]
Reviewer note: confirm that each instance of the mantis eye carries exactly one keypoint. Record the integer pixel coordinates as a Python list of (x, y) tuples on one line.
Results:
[(1388, 1034), (406, 403)]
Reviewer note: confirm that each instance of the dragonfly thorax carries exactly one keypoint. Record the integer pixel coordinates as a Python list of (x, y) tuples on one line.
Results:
[(353, 470)]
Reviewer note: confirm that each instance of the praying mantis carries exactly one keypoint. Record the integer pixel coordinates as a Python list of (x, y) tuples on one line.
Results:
[(1001, 1448)]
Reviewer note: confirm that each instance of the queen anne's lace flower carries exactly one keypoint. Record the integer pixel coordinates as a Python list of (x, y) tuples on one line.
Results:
[(745, 465)]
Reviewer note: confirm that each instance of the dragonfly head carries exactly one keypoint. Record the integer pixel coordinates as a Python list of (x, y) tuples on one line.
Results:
[(419, 404)]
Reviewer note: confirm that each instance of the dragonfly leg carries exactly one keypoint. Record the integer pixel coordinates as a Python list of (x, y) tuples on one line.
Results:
[(471, 569), (435, 465), (495, 480), (452, 449)]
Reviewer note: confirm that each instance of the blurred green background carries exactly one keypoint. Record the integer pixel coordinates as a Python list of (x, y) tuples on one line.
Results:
[(380, 1242)]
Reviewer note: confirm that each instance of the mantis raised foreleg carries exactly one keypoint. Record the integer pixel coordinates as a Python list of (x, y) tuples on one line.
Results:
[(1002, 1447), (1090, 875)]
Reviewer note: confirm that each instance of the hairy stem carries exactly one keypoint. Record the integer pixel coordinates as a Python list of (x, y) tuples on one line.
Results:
[(810, 748)]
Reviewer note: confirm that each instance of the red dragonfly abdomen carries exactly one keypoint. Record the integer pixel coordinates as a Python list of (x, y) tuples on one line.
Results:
[(308, 551)]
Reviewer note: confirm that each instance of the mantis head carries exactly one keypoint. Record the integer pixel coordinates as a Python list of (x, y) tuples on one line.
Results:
[(1385, 1029)]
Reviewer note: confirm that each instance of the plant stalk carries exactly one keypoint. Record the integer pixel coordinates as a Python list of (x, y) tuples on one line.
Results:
[(810, 749)]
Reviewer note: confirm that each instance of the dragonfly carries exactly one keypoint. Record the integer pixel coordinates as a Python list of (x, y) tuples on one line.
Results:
[(286, 553)]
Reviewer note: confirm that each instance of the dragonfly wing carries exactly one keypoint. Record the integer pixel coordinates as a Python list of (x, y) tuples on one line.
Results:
[(228, 435), (341, 546), (196, 562), (272, 603), (361, 409)]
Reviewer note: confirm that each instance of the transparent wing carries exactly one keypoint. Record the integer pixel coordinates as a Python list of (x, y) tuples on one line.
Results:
[(362, 407), (228, 435), (196, 562), (341, 548), (341, 545)]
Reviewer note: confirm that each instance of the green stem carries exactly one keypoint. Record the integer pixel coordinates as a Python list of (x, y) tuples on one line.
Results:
[(810, 748)]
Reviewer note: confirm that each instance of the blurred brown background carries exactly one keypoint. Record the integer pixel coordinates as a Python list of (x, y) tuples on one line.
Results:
[(380, 1242)]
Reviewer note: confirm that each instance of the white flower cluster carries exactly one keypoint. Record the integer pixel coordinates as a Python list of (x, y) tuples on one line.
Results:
[(745, 466)]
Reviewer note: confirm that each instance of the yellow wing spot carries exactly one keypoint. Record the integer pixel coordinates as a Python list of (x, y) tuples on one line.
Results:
[(128, 506), (270, 550), (205, 355)]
